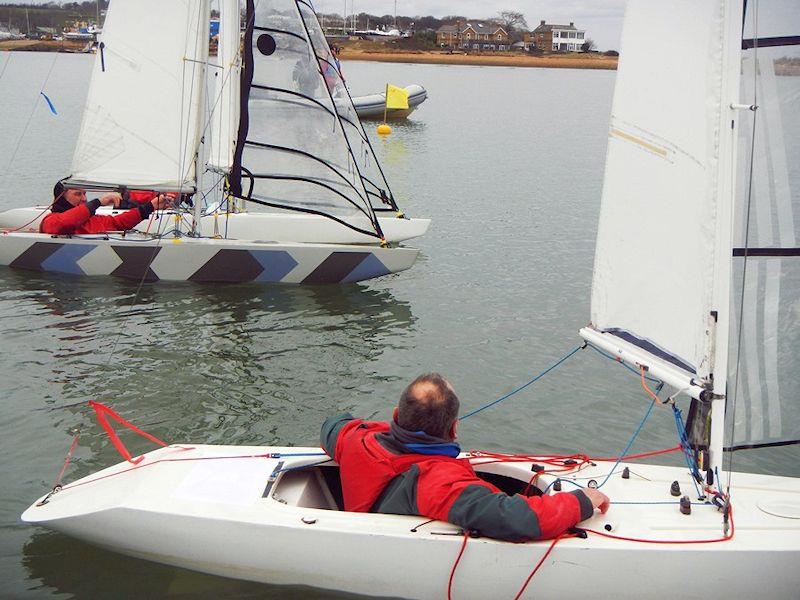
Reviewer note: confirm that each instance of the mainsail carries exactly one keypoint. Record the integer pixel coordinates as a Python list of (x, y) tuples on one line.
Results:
[(696, 273), (141, 124), (659, 289), (765, 389), (300, 145)]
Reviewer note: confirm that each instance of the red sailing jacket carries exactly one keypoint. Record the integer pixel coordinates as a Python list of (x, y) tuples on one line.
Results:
[(81, 219), (377, 478)]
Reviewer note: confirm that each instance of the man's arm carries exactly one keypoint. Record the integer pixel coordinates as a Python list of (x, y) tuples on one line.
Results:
[(464, 499), (329, 434), (66, 222)]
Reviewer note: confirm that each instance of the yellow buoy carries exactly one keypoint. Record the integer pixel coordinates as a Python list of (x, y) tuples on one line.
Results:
[(384, 129)]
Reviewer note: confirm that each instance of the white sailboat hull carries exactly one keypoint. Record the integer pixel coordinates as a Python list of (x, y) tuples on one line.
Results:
[(371, 106), (201, 260), (225, 517), (281, 227)]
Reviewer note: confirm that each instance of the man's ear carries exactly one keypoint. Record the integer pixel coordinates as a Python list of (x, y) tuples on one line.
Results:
[(395, 412), (454, 429)]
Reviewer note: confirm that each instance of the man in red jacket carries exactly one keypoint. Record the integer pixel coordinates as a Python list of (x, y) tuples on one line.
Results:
[(410, 467), (72, 214)]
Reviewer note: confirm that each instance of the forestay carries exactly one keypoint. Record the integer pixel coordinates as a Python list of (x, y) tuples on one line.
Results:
[(300, 144), (766, 389), (224, 106), (141, 123), (662, 214)]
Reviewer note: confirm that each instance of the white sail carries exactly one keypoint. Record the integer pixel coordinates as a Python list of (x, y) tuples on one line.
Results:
[(224, 106), (765, 387), (300, 145), (141, 123), (663, 226)]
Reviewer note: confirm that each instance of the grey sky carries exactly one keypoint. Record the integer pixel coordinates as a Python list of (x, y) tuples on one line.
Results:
[(602, 19)]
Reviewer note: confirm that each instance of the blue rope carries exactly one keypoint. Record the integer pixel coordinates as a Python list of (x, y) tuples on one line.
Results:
[(663, 502), (633, 437), (308, 466), (282, 454), (575, 483), (522, 387), (685, 445)]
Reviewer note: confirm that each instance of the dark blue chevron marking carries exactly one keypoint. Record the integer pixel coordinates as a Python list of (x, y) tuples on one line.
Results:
[(65, 259), (276, 264)]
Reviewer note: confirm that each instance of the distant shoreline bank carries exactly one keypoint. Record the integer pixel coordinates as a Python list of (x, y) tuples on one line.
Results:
[(558, 61), (555, 61), (43, 45)]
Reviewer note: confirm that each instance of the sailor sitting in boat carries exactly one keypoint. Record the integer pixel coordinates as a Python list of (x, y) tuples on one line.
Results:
[(70, 213), (410, 467)]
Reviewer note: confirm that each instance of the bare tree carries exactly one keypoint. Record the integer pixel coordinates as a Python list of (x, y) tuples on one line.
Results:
[(512, 21), (588, 45)]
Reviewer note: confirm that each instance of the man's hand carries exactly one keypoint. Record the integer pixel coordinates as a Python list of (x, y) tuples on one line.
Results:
[(112, 198), (163, 201), (598, 499)]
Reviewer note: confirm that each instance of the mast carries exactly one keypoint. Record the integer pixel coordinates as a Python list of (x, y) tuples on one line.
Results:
[(726, 176)]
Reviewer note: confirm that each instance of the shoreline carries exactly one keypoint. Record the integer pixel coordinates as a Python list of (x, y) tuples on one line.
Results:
[(73, 46), (577, 61)]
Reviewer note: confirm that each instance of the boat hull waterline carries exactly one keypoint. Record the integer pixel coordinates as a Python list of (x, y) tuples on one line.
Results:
[(233, 517), (201, 260), (280, 227)]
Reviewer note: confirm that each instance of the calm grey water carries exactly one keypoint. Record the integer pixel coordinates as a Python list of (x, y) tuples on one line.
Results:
[(507, 162)]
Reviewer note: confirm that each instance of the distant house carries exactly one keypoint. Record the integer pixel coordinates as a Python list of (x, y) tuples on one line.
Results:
[(556, 38), (447, 36), (473, 35)]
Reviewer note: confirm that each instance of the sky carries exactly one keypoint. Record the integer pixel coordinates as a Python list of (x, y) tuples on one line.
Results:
[(602, 19)]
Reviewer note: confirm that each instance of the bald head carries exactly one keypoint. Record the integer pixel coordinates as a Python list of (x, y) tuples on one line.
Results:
[(428, 404)]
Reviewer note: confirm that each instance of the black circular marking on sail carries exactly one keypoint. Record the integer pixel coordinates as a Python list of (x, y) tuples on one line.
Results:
[(265, 44)]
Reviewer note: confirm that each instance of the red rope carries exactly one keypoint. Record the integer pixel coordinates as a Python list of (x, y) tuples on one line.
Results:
[(101, 411), (539, 564), (724, 538), (67, 458), (455, 565)]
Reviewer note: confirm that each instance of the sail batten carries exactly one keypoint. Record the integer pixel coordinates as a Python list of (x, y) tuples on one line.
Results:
[(141, 123)]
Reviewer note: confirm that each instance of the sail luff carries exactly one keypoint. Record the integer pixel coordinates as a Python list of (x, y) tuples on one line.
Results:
[(225, 104), (245, 81), (720, 320)]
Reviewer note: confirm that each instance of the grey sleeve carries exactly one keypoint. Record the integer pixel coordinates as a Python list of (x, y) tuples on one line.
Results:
[(329, 434)]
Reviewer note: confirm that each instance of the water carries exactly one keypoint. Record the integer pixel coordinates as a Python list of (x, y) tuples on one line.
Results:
[(507, 162)]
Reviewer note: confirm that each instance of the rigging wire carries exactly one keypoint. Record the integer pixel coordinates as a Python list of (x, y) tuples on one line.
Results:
[(33, 111), (5, 65), (739, 336)]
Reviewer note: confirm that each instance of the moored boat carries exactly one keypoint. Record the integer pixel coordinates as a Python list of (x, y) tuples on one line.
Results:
[(372, 106), (287, 161)]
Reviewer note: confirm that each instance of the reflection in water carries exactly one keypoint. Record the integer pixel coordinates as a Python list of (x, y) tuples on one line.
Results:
[(67, 566), (243, 364)]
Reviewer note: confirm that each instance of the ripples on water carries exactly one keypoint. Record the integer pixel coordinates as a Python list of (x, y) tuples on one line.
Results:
[(507, 162)]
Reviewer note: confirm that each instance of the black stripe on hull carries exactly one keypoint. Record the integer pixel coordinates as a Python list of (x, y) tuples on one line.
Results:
[(336, 267), (34, 256), (768, 252)]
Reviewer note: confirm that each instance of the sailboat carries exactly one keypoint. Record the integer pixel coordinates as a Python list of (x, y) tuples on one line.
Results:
[(673, 236), (291, 190)]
